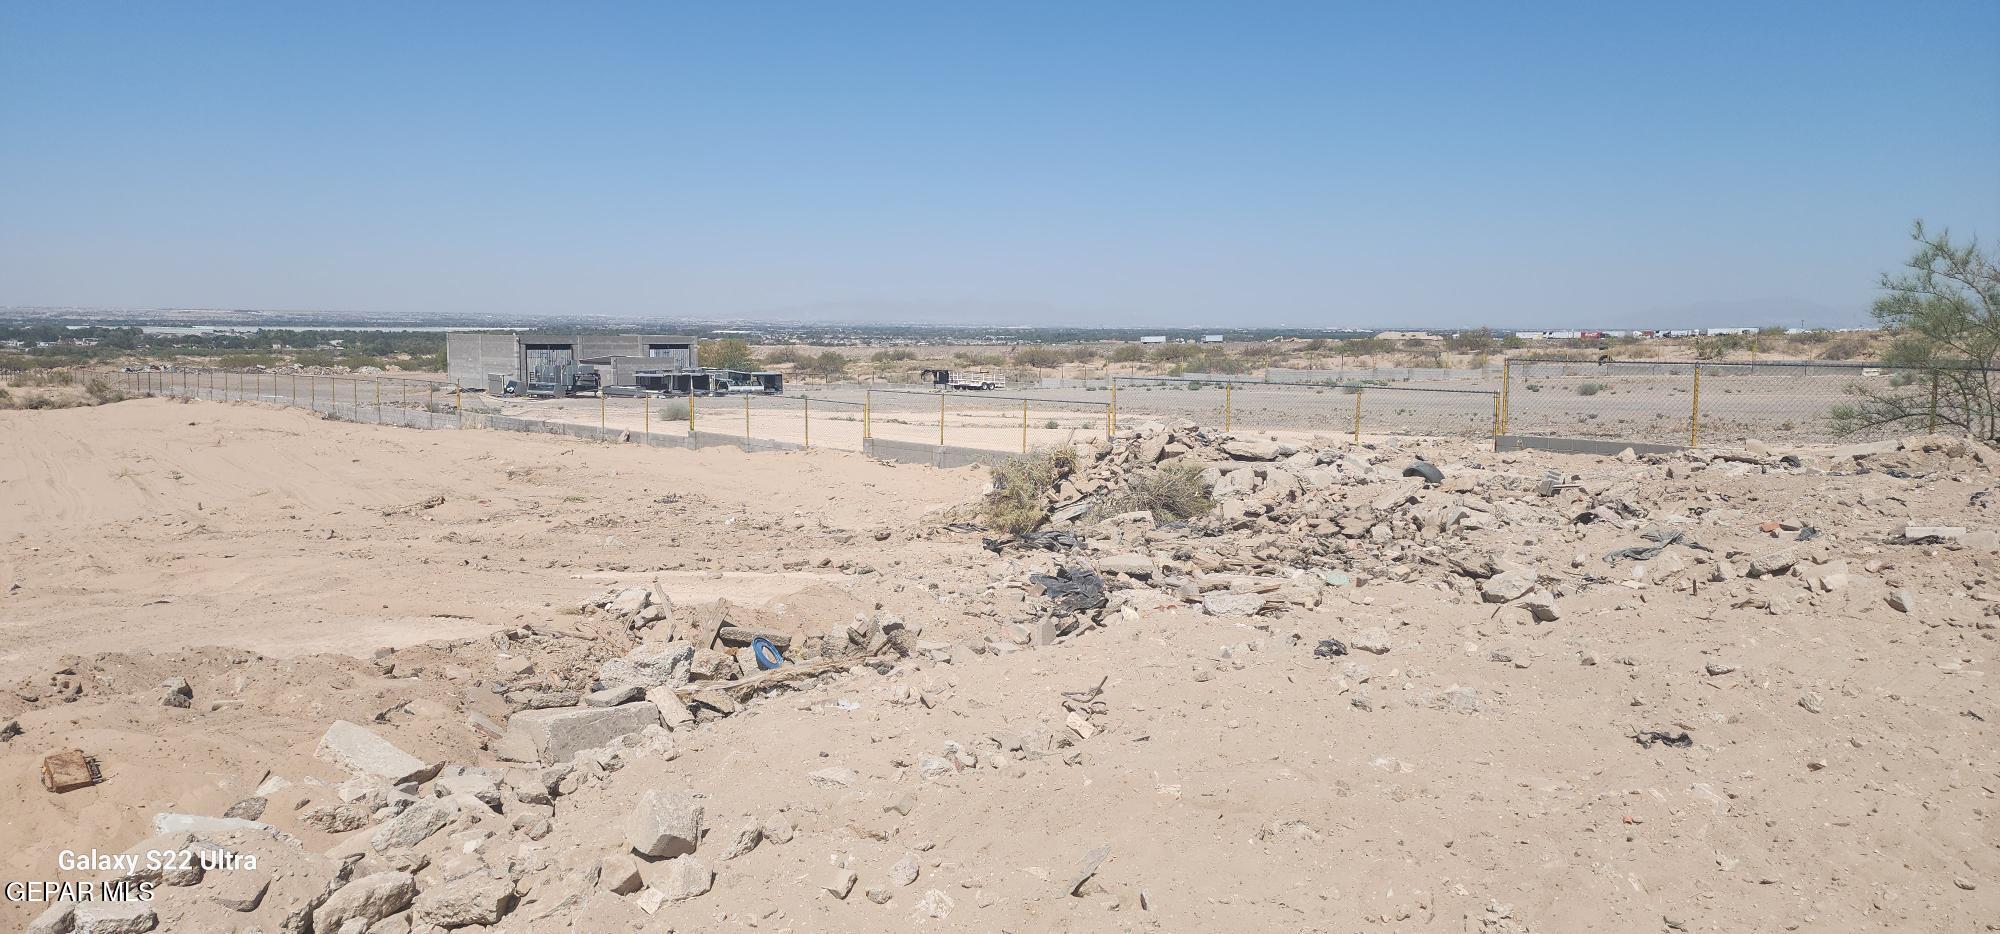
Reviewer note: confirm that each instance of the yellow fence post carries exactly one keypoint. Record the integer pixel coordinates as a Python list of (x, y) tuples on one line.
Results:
[(1357, 416), (1024, 426), (647, 430), (457, 404), (1694, 417), (1496, 415), (1506, 392), (867, 412), (690, 409), (600, 408), (746, 418), (312, 393), (1227, 388), (1111, 413), (378, 400), (940, 419), (809, 423)]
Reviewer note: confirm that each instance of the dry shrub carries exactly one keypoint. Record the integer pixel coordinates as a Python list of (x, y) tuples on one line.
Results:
[(1844, 348), (1019, 501), (1171, 492)]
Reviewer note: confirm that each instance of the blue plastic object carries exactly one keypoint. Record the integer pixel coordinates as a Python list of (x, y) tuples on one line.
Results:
[(766, 654)]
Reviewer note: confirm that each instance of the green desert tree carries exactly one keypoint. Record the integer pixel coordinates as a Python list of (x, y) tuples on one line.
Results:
[(1942, 310)]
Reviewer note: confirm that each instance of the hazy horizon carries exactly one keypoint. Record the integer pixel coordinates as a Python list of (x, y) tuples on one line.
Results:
[(1269, 165)]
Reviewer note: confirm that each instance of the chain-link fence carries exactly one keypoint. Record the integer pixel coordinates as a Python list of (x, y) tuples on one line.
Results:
[(1693, 404), (1610, 401), (386, 400), (1354, 409)]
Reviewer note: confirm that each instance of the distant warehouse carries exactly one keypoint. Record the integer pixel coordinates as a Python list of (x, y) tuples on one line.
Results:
[(562, 363)]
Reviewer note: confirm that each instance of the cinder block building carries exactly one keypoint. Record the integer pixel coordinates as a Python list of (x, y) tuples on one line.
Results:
[(476, 358)]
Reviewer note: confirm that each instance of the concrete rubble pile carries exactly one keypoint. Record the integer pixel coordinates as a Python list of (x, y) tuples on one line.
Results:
[(1292, 527)]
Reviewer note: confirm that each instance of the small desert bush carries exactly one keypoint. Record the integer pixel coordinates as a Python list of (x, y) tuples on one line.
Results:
[(673, 410), (1589, 389), (1019, 501), (1171, 492), (101, 392)]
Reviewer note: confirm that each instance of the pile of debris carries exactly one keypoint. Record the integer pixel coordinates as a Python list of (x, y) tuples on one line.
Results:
[(1289, 525)]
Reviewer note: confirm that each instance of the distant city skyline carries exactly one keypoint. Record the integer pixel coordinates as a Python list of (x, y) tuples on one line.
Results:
[(1174, 165)]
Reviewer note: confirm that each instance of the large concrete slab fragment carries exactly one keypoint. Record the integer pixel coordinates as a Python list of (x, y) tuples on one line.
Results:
[(557, 733), (359, 750)]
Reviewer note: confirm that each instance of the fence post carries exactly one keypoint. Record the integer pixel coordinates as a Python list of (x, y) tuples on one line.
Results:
[(312, 393), (378, 400), (600, 408), (1024, 426), (1694, 417), (1933, 428), (867, 411), (940, 419), (746, 419), (1357, 416), (809, 422), (430, 405), (690, 412), (1496, 415), (1506, 392), (457, 404), (647, 423), (1111, 413), (1227, 388)]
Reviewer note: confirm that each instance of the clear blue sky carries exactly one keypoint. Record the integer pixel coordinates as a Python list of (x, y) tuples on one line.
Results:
[(1204, 165)]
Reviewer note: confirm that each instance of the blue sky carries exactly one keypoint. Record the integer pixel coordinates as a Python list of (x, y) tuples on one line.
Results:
[(1433, 164)]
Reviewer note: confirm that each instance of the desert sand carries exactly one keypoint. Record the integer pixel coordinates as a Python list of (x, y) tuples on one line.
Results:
[(1169, 761)]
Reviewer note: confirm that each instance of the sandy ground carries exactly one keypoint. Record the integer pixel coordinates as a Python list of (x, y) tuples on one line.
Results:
[(158, 525), (1490, 782)]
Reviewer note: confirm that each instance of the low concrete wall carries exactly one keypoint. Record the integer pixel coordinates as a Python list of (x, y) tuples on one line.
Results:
[(906, 452), (935, 455), (1578, 445)]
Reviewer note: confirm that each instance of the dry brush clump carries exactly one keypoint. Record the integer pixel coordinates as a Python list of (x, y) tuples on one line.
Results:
[(1171, 492), (55, 389), (1018, 502)]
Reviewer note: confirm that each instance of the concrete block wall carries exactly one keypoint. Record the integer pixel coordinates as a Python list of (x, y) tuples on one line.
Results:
[(469, 356)]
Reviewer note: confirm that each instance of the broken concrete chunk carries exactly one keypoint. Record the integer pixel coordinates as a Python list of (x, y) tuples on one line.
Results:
[(476, 899), (556, 734), (1229, 603), (745, 840), (840, 883), (1130, 565), (413, 826), (1092, 861), (653, 665), (117, 917), (905, 871), (1913, 532), (369, 898), (619, 874), (358, 749), (1506, 586), (614, 696), (687, 876), (663, 824), (1253, 449)]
